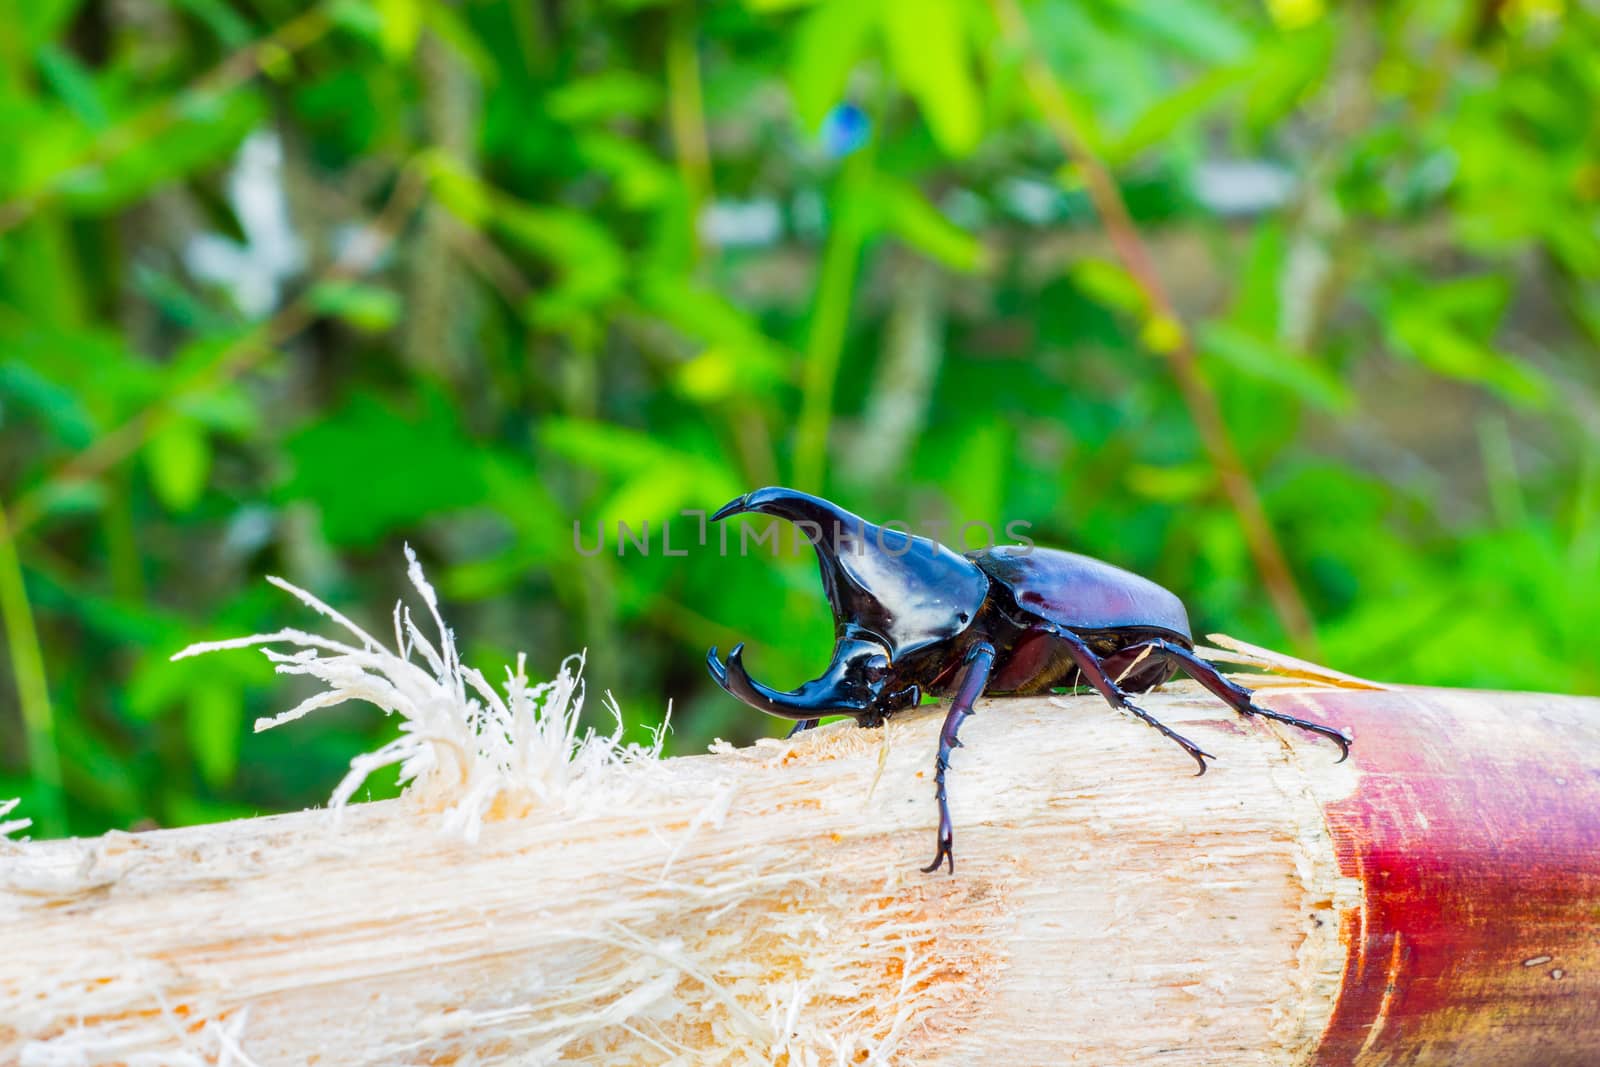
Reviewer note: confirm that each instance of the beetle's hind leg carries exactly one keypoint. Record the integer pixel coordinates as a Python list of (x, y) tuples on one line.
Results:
[(802, 726), (1097, 674), (1228, 691)]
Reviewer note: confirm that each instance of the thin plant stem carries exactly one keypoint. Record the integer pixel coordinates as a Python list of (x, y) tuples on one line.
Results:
[(830, 318), (686, 113), (1166, 334), (33, 691)]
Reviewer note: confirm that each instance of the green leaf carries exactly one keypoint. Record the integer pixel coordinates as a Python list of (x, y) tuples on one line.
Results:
[(183, 809), (74, 496), (1448, 326), (227, 408), (1196, 28), (369, 308), (58, 408), (1109, 284), (158, 686), (73, 84), (655, 480), (1286, 73), (975, 483), (41, 20), (614, 94), (927, 48), (656, 494), (1173, 112), (455, 31), (1270, 362), (96, 772), (222, 20), (208, 130), (1176, 484), (1295, 14), (178, 457), (214, 723), (604, 446), (400, 26), (371, 468), (456, 187), (641, 179), (739, 358), (591, 265), (703, 313), (1258, 293), (1441, 346), (828, 45), (359, 17), (911, 218), (711, 376)]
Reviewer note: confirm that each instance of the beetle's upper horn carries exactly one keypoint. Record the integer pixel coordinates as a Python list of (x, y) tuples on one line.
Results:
[(789, 504), (907, 592)]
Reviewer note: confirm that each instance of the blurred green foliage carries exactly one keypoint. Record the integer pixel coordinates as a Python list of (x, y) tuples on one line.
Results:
[(285, 285)]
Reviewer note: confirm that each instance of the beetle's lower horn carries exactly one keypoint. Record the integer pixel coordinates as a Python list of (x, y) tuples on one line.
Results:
[(813, 698)]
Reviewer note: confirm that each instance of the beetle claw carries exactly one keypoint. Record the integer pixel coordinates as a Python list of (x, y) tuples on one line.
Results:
[(1344, 741), (1338, 737)]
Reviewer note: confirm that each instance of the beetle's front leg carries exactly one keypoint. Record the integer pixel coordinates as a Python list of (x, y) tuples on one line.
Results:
[(1092, 669), (974, 677)]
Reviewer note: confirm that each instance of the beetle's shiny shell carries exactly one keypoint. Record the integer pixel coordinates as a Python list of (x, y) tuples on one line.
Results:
[(1082, 593)]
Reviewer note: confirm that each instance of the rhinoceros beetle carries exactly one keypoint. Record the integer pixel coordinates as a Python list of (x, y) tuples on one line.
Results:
[(912, 616)]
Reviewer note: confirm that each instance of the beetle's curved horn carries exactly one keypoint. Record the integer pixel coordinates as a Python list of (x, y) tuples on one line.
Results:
[(820, 696), (789, 504)]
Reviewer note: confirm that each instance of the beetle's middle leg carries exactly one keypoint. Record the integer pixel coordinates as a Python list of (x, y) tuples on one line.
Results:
[(1095, 672), (802, 726), (975, 676), (1229, 692)]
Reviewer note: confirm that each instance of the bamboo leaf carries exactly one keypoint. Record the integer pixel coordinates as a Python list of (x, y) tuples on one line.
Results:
[(908, 215), (611, 95), (214, 723), (179, 460), (399, 27), (828, 45), (368, 308), (1267, 361), (928, 51)]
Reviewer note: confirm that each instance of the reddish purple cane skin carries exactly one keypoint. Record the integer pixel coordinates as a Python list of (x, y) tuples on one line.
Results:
[(1475, 833)]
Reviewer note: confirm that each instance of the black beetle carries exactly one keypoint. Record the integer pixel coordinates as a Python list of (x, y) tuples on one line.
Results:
[(912, 617)]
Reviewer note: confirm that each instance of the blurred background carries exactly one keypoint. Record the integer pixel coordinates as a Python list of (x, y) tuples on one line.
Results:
[(1291, 306)]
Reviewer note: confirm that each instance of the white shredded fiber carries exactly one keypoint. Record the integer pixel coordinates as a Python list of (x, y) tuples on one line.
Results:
[(706, 934), (466, 748), (9, 828)]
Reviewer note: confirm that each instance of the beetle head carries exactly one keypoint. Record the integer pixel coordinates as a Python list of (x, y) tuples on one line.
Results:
[(892, 595)]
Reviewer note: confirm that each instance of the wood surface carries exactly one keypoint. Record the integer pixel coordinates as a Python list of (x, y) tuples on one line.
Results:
[(1433, 900)]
